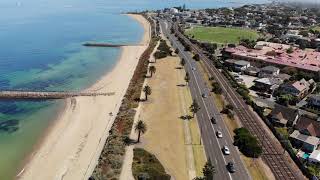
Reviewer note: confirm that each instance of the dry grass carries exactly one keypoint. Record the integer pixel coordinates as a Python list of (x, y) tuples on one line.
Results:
[(165, 134), (198, 149)]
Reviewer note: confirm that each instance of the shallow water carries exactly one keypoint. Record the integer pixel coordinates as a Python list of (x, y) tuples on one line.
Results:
[(41, 49)]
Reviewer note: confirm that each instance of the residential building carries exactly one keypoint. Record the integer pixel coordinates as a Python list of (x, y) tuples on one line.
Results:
[(308, 126), (314, 157), (269, 71), (304, 142), (283, 116), (298, 88), (314, 100), (252, 71), (241, 65), (267, 84)]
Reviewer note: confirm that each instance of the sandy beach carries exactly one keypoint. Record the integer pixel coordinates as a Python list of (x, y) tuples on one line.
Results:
[(73, 143)]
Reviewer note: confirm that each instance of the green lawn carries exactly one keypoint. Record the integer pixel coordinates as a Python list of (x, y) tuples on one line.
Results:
[(222, 35)]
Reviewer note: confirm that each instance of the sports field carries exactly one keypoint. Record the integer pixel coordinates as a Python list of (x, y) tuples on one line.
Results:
[(222, 35)]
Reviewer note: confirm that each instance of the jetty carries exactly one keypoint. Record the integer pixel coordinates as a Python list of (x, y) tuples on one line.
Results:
[(47, 94), (104, 45)]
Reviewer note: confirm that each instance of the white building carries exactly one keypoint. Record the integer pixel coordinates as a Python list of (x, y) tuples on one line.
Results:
[(314, 157)]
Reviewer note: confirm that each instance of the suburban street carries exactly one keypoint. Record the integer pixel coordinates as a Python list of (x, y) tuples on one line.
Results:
[(213, 145)]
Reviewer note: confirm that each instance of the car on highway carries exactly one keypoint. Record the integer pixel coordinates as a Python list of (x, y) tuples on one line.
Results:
[(231, 168), (193, 69), (204, 95), (219, 134), (226, 150), (213, 120)]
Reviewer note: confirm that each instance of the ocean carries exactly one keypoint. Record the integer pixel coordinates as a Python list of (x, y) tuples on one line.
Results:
[(41, 49)]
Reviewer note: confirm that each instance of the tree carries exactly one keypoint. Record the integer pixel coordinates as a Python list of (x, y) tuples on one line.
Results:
[(196, 57), (216, 88), (187, 78), (247, 143), (140, 127), (182, 62), (177, 51), (290, 50), (152, 70), (194, 108), (208, 171), (147, 91)]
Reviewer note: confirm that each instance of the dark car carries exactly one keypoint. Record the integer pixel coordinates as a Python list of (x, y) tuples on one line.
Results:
[(231, 167), (204, 95), (213, 120)]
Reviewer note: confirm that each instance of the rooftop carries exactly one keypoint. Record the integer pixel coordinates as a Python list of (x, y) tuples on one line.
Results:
[(277, 54), (305, 138)]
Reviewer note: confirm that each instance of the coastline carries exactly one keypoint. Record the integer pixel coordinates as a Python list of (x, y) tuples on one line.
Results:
[(71, 147)]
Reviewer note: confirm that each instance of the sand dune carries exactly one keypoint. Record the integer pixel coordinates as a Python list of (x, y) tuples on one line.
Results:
[(73, 144)]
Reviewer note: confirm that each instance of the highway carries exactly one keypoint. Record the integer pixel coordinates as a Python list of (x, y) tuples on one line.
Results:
[(212, 144), (272, 150)]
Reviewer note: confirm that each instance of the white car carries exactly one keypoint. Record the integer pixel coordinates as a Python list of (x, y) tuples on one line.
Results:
[(219, 134), (226, 150), (193, 69)]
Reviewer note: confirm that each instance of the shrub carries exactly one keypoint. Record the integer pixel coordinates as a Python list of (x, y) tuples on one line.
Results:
[(247, 143), (216, 88), (147, 165)]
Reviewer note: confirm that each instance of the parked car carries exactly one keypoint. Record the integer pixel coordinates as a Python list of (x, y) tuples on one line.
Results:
[(213, 120), (219, 134), (226, 150), (231, 168)]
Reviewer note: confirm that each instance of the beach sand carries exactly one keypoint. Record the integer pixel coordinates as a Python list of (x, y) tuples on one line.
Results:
[(73, 144)]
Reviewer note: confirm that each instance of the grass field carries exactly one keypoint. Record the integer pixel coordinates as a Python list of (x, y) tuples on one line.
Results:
[(222, 35)]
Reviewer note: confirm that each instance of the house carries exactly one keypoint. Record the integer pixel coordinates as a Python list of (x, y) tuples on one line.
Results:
[(304, 142), (283, 116), (314, 100), (241, 65), (314, 157), (267, 84), (308, 126), (298, 88), (269, 71), (252, 71), (237, 65)]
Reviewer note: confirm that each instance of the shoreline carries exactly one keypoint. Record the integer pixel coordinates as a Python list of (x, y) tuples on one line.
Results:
[(50, 159)]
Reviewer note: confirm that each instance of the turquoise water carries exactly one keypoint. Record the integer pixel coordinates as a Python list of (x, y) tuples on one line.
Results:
[(41, 49)]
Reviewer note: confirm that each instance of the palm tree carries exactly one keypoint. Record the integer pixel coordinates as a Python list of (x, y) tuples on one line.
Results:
[(194, 108), (140, 127), (187, 78), (152, 70), (147, 91)]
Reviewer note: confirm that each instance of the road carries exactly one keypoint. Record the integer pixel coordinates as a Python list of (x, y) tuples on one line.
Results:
[(212, 144), (273, 153)]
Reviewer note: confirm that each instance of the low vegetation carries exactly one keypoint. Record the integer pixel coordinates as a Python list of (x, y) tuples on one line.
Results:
[(163, 50), (147, 166), (247, 143), (222, 35)]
